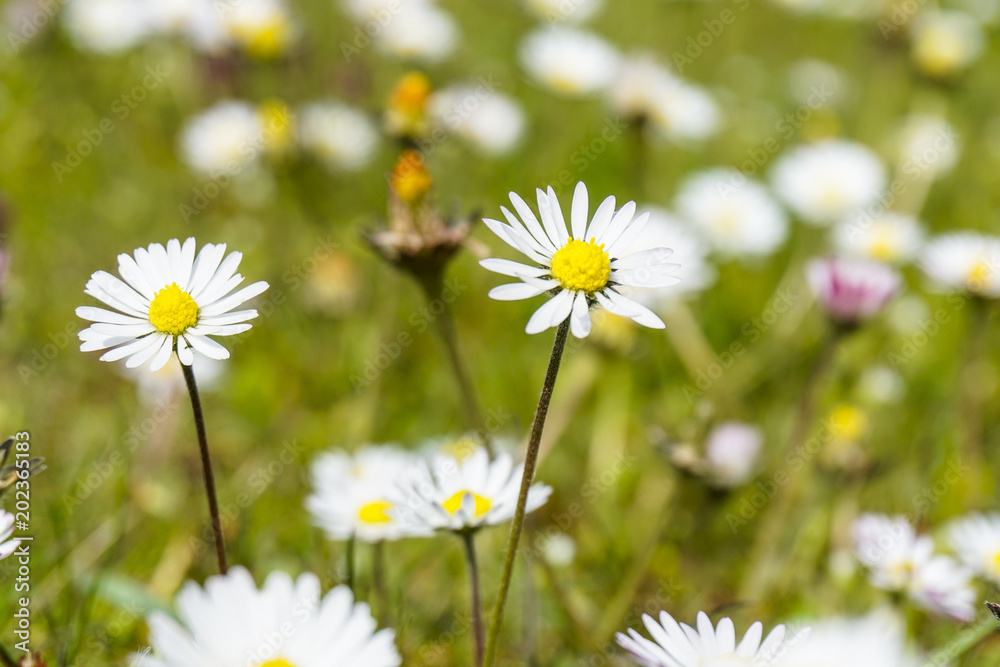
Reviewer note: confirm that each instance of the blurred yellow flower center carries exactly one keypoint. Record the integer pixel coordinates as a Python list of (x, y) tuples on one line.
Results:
[(454, 503), (173, 311), (939, 51), (267, 38), (884, 246), (375, 512), (277, 663), (849, 422), (996, 563), (978, 275), (276, 118), (410, 95), (410, 178), (582, 266)]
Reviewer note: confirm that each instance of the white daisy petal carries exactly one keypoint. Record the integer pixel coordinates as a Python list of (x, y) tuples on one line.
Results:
[(144, 354), (628, 236), (126, 350), (551, 313), (208, 347), (530, 221), (228, 303), (580, 318), (557, 216), (552, 228), (516, 291), (578, 212), (162, 355), (620, 305), (508, 268), (102, 315), (602, 217)]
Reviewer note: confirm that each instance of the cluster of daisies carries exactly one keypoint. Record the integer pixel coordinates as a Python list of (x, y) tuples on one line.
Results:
[(900, 560), (260, 28)]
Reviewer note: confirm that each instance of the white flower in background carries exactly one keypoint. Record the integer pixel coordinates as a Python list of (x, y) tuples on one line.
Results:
[(263, 28), (737, 216), (419, 31), (7, 545), (568, 11), (568, 61), (817, 83), (731, 452), (581, 270), (381, 11), (230, 623), (828, 181), (696, 273), (491, 121), (167, 383), (985, 11), (928, 145), (975, 539), (676, 644), (169, 298), (350, 497), (558, 549), (876, 640), (106, 26), (945, 42), (900, 560), (226, 138), (344, 138), (197, 20), (881, 384), (677, 110), (894, 238), (452, 494), (967, 261), (841, 9), (852, 290)]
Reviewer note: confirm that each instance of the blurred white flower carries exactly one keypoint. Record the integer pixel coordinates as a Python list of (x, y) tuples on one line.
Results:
[(419, 31), (881, 384), (876, 640), (679, 111), (568, 11), (568, 61), (945, 41), (731, 452), (380, 11), (106, 26), (900, 560), (967, 261), (581, 270), (928, 145), (225, 138), (350, 497), (841, 9), (852, 290), (891, 237), (452, 494), (676, 644), (168, 382), (491, 121), (558, 549), (817, 83), (263, 28), (342, 137), (7, 545), (736, 215), (696, 273), (828, 181), (197, 20), (286, 622), (975, 539)]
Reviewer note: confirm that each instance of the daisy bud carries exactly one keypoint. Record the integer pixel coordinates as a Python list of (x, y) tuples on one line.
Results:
[(852, 290)]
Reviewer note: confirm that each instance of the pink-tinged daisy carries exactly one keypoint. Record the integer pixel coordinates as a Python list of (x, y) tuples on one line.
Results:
[(167, 299), (852, 290), (676, 644), (584, 266)]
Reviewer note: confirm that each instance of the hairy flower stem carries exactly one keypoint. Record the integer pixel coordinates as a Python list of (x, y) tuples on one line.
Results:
[(206, 466), (468, 539), (530, 459)]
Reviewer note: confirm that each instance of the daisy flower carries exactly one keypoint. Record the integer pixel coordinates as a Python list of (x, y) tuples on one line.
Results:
[(965, 261), (7, 545), (852, 290), (736, 215), (287, 623), (263, 28), (576, 11), (876, 640), (582, 269), (928, 143), (676, 644), (350, 497), (419, 31), (943, 586), (225, 138), (828, 181), (344, 138), (568, 61), (167, 299), (458, 495), (945, 42), (490, 121), (731, 452), (893, 238), (976, 541), (106, 26)]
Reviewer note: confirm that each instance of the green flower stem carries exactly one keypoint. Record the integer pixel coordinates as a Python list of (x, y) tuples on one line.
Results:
[(468, 539), (349, 556), (206, 466), (530, 460)]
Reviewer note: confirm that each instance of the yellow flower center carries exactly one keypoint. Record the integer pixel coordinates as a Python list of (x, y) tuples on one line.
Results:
[(410, 95), (375, 512), (939, 51), (995, 562), (849, 422), (978, 276), (884, 246), (276, 118), (582, 266), (281, 662), (454, 503), (266, 39), (410, 178), (173, 311)]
